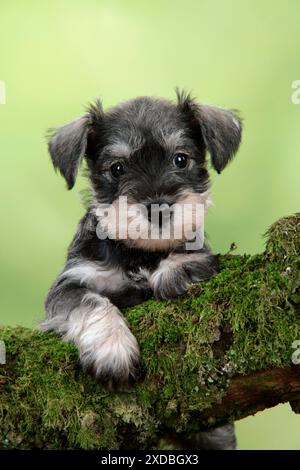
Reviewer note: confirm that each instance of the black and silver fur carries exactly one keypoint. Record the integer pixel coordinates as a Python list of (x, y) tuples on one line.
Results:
[(143, 136)]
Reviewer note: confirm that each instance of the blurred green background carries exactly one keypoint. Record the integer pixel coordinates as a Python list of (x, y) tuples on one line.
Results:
[(58, 55)]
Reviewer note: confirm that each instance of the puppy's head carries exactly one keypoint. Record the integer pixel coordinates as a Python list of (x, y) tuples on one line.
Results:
[(153, 152)]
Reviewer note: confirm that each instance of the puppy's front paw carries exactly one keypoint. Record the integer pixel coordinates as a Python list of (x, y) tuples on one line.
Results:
[(177, 272), (107, 348), (169, 283), (201, 269), (113, 362)]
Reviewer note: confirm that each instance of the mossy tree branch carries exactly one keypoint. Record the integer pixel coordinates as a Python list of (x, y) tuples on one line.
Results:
[(220, 352)]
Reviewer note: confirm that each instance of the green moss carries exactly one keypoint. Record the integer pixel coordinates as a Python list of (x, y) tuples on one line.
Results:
[(187, 360)]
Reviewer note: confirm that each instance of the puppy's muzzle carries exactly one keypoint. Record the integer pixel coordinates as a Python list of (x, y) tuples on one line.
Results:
[(159, 214)]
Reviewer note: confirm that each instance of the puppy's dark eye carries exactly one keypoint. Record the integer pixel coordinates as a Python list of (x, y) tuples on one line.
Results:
[(117, 169), (180, 160)]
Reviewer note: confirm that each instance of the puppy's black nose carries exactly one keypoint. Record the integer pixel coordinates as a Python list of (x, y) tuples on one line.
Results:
[(158, 215), (149, 212)]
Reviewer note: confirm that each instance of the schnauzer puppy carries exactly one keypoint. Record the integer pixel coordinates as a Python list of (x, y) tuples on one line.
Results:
[(153, 153)]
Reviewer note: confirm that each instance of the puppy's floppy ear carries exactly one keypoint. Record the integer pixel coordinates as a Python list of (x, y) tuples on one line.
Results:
[(69, 144), (220, 129)]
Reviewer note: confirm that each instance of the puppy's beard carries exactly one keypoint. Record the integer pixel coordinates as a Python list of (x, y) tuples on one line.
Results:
[(189, 213), (128, 221)]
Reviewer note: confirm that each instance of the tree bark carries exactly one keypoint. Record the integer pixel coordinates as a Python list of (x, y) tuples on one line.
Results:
[(223, 351)]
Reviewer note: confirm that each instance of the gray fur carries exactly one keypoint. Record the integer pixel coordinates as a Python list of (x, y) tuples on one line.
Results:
[(67, 148), (222, 438), (221, 131)]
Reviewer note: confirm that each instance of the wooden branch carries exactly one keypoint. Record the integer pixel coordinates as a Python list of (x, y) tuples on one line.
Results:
[(221, 352), (248, 394)]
